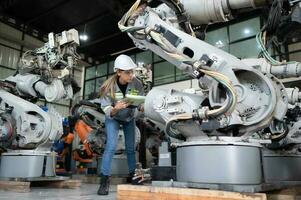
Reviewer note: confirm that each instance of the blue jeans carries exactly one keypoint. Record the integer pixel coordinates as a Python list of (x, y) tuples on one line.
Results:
[(112, 129)]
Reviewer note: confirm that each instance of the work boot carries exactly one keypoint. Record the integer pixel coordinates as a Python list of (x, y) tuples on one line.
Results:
[(133, 181), (104, 185), (129, 177)]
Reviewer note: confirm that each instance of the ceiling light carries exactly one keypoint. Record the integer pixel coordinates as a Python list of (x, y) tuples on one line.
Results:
[(140, 64), (219, 44), (247, 31), (83, 37)]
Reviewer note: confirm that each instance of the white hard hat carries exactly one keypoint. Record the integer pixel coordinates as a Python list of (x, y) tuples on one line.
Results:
[(124, 62)]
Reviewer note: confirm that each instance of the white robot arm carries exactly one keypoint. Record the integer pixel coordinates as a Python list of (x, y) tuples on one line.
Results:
[(43, 73), (242, 117), (46, 71), (32, 85), (239, 98)]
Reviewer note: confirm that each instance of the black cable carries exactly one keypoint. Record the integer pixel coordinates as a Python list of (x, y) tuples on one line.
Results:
[(274, 16), (170, 132)]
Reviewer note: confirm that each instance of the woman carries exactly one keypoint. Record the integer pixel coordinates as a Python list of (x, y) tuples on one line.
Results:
[(119, 113)]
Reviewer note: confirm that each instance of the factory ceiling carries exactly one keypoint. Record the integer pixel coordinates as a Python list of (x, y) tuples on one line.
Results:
[(96, 18)]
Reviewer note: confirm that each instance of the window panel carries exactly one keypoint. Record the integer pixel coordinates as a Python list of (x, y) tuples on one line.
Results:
[(157, 58), (239, 49), (164, 72), (101, 70), (294, 47), (295, 56), (181, 75), (244, 29), (133, 57), (99, 82), (111, 67), (144, 58), (90, 73), (218, 38), (89, 87)]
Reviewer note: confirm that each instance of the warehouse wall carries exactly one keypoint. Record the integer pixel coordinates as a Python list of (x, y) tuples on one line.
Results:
[(9, 50)]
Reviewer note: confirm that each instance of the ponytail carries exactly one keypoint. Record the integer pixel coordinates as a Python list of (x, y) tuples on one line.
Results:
[(109, 86)]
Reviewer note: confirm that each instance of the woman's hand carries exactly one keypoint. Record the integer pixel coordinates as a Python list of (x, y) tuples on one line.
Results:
[(141, 108), (119, 106)]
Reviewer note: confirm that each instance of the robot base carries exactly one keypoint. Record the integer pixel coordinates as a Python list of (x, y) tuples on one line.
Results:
[(119, 165), (237, 167), (27, 165)]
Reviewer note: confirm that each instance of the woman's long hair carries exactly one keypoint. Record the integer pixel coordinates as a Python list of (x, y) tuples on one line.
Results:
[(108, 87)]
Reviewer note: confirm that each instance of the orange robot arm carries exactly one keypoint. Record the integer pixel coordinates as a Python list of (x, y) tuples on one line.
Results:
[(83, 131)]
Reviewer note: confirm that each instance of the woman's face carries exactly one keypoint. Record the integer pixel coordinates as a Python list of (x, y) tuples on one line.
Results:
[(125, 76)]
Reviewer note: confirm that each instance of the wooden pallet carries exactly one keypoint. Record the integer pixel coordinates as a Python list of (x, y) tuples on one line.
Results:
[(25, 186), (293, 193), (125, 192)]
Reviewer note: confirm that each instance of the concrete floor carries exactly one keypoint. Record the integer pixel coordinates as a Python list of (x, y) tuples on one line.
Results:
[(85, 192)]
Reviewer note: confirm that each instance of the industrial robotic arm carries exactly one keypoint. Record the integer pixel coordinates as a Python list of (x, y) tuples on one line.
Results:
[(238, 98), (44, 73), (240, 129), (87, 121)]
